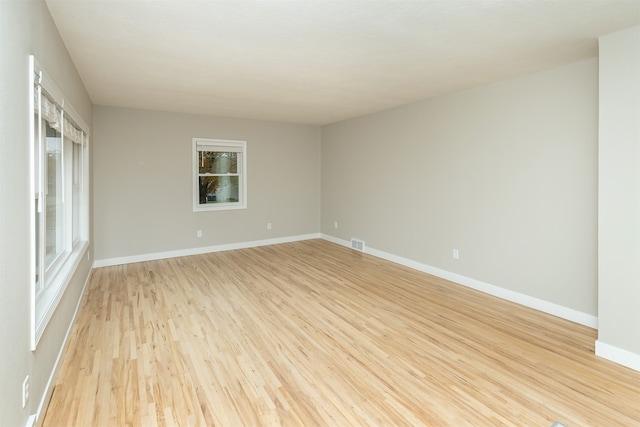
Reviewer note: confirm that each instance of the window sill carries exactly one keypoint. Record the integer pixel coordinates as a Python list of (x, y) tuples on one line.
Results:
[(47, 302), (218, 207)]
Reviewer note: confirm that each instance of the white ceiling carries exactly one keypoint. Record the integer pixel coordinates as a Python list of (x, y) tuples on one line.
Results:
[(319, 61)]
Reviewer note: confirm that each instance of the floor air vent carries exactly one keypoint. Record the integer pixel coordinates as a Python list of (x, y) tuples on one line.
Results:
[(358, 245)]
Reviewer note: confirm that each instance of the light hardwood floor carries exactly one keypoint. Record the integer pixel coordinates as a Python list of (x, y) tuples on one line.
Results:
[(311, 333)]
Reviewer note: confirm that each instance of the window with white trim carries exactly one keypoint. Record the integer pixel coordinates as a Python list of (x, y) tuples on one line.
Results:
[(219, 174), (59, 212)]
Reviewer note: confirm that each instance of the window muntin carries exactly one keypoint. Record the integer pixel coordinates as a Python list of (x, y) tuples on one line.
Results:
[(219, 174)]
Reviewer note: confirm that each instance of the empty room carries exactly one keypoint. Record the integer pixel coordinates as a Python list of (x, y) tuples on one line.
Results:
[(319, 213)]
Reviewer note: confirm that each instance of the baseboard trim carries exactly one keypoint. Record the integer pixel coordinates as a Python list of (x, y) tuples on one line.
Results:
[(37, 418), (202, 250), (618, 355), (31, 421), (506, 294)]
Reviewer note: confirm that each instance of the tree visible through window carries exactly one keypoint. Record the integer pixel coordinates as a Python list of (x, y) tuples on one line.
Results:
[(219, 174)]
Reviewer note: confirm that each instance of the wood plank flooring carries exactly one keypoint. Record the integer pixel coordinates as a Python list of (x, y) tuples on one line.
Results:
[(314, 334)]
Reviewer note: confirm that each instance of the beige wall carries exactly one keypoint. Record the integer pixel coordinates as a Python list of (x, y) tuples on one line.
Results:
[(26, 28), (505, 173), (143, 182), (619, 191)]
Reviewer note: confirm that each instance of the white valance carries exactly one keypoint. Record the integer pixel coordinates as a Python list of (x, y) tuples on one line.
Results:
[(70, 131), (221, 146), (56, 117), (48, 110)]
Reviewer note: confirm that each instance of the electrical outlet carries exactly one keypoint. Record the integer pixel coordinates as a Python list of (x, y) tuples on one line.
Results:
[(268, 226), (335, 224), (25, 392), (456, 254), (199, 233)]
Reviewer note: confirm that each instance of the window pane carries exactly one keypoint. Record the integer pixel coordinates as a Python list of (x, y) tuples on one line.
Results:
[(36, 180), (54, 210), (219, 189), (75, 193), (217, 162), (37, 245)]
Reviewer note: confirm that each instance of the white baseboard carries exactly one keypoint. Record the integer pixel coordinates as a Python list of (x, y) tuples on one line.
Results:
[(618, 355), (202, 250), (35, 420), (604, 350), (526, 300), (506, 294)]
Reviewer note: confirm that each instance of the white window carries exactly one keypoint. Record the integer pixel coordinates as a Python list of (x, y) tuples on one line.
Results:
[(219, 174), (59, 212)]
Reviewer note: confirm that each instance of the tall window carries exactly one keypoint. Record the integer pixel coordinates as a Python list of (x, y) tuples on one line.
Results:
[(59, 145), (219, 174)]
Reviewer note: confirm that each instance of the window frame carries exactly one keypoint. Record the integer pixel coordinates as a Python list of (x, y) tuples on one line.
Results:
[(49, 282), (220, 145)]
